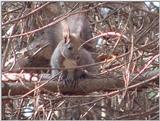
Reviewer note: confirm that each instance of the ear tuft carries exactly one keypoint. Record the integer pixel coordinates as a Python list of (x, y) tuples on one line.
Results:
[(67, 38), (66, 32)]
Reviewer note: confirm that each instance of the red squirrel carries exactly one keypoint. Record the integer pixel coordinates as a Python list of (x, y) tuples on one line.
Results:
[(67, 54)]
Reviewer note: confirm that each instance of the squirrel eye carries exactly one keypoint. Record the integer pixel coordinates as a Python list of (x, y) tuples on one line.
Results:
[(70, 48)]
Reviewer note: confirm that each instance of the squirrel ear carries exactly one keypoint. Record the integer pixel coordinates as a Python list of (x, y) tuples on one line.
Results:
[(66, 38), (66, 32)]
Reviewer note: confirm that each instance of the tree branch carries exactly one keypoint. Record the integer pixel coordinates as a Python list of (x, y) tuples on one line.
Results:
[(84, 86)]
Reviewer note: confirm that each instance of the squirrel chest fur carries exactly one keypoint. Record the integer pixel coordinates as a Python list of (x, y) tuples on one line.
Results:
[(68, 55)]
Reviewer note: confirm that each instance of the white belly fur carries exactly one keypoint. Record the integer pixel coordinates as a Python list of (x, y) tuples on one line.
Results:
[(68, 63)]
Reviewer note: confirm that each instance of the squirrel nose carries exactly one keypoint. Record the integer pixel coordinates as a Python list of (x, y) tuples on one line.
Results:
[(77, 57)]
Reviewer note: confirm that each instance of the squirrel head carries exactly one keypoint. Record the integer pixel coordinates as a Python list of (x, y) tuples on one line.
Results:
[(71, 44), (70, 48)]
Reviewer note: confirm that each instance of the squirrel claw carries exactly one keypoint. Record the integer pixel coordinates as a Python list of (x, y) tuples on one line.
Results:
[(70, 82)]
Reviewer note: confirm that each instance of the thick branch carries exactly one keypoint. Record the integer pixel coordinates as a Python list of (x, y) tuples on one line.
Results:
[(84, 86)]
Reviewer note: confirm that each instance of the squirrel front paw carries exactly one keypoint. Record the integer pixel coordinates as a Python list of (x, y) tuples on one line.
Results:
[(69, 80)]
